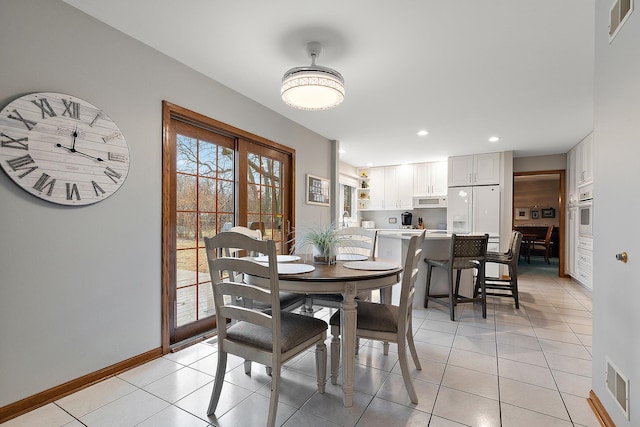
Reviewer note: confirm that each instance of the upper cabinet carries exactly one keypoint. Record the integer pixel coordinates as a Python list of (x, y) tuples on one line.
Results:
[(481, 169), (376, 188), (390, 187), (584, 161), (430, 179), (398, 187)]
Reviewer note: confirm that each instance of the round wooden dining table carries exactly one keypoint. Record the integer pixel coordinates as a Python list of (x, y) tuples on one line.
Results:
[(336, 278)]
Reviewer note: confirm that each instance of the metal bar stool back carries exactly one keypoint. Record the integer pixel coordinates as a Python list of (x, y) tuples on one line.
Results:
[(465, 252), (505, 287)]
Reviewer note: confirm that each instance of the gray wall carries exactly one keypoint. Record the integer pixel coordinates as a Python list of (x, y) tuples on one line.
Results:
[(80, 287), (616, 287), (540, 163)]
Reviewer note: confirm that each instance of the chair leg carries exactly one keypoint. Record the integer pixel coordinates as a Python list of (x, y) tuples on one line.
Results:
[(217, 386), (335, 353), (321, 366), (247, 367), (273, 404), (412, 346), (456, 294), (404, 368), (513, 273), (481, 277), (452, 304), (428, 286), (385, 348)]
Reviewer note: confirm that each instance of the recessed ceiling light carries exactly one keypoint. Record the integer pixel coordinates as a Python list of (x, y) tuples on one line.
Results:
[(494, 139), (369, 164), (423, 132), (342, 150)]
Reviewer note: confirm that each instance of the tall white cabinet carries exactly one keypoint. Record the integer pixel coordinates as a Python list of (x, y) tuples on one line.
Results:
[(579, 248)]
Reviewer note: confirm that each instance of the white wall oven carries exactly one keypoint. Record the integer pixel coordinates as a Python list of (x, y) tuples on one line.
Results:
[(585, 211)]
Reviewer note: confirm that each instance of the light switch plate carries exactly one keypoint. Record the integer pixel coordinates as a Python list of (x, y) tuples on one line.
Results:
[(393, 220)]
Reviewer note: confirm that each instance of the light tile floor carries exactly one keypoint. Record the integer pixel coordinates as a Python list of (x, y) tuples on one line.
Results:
[(527, 367)]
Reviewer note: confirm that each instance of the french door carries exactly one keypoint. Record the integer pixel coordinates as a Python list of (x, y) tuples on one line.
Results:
[(214, 177)]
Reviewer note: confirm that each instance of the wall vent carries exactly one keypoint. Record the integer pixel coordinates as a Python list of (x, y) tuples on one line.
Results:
[(618, 15), (618, 386)]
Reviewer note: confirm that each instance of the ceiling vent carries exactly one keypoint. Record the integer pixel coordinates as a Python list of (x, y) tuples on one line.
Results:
[(618, 15), (618, 386)]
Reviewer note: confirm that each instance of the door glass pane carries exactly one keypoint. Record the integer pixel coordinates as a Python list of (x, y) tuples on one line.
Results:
[(264, 195)]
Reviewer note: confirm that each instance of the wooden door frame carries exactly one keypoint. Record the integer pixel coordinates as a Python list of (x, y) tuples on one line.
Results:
[(171, 111), (561, 207)]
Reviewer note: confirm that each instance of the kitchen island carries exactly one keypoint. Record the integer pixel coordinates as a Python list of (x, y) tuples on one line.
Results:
[(393, 245)]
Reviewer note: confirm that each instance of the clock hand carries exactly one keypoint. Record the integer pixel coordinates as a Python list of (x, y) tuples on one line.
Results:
[(75, 135), (73, 150)]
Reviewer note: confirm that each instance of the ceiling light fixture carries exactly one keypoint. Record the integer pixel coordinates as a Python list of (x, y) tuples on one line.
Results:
[(423, 132), (494, 139), (314, 87)]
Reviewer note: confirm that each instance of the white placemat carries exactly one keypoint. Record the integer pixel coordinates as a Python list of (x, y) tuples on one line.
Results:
[(294, 268), (371, 265), (351, 257), (280, 258)]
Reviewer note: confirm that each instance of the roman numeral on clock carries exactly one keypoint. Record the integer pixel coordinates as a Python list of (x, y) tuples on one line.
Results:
[(97, 188), (43, 183), (22, 162), (44, 106), (30, 124), (14, 143), (72, 109), (115, 176), (72, 190)]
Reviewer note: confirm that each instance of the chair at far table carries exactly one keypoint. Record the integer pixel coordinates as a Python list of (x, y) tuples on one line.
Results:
[(270, 338), (386, 322), (466, 252), (508, 287), (543, 246), (357, 243)]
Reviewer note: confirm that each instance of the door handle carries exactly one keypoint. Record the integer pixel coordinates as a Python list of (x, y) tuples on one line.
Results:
[(622, 256)]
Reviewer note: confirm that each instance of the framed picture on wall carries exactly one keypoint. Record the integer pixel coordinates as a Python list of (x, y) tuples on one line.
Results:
[(548, 213), (522, 213), (318, 190), (535, 214)]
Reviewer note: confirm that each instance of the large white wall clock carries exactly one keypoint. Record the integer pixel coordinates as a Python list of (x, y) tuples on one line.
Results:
[(62, 149)]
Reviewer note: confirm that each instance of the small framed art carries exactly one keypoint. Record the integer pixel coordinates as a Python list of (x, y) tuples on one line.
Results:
[(535, 214), (522, 213), (548, 213), (318, 190)]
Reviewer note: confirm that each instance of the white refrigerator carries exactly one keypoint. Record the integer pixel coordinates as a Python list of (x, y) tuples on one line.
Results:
[(476, 210)]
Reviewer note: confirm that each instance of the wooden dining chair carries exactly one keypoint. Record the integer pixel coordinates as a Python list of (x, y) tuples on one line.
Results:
[(465, 252), (354, 241), (270, 338), (386, 322), (544, 246)]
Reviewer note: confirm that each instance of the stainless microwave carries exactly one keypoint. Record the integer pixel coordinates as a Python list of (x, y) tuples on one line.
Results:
[(429, 202)]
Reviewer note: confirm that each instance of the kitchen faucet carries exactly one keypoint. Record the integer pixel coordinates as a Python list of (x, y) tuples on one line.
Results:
[(345, 215)]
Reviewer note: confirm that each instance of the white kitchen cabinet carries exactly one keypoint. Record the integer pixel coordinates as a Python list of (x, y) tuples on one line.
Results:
[(584, 161), (572, 241), (430, 179), (398, 187), (480, 169), (376, 188), (572, 181)]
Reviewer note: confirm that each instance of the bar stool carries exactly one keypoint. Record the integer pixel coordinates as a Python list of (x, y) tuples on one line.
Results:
[(507, 286), (466, 252)]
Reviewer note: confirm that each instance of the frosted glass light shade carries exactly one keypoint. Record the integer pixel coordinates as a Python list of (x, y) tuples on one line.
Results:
[(312, 88)]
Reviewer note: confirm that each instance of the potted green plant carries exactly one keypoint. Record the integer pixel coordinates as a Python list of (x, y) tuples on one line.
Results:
[(322, 240)]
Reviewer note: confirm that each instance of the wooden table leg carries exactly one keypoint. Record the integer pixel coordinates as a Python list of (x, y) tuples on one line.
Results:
[(348, 319)]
